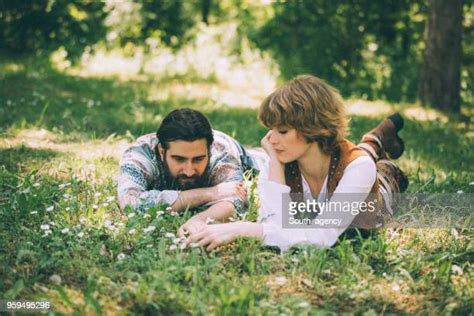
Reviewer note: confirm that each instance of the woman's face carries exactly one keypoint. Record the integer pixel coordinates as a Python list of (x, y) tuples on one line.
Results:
[(288, 143)]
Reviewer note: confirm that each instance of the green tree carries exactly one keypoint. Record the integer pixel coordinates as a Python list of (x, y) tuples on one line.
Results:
[(34, 26)]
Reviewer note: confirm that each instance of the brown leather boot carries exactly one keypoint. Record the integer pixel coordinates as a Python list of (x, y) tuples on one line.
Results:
[(385, 134)]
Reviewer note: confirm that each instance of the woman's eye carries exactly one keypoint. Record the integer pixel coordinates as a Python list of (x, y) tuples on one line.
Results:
[(283, 132)]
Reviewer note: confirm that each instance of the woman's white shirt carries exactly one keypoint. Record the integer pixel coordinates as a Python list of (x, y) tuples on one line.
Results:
[(358, 178)]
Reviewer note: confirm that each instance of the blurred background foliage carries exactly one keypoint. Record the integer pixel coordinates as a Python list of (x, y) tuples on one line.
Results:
[(368, 49)]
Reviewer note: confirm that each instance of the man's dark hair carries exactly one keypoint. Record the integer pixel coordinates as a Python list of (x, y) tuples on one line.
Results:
[(184, 124)]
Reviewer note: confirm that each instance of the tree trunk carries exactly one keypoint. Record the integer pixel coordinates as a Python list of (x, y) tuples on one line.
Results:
[(441, 73)]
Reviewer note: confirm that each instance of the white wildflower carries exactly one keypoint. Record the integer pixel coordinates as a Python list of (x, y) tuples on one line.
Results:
[(460, 192), (281, 280), (34, 212), (146, 215), (159, 213), (97, 194), (68, 208), (95, 206), (304, 304), (456, 269), (173, 247), (471, 183), (47, 232), (169, 209), (121, 256), (44, 227), (131, 215), (56, 279), (132, 231), (110, 198), (176, 241), (182, 246), (149, 229), (49, 209), (149, 245), (174, 213), (80, 235), (66, 196), (65, 230), (37, 184), (82, 219), (396, 287), (105, 204), (169, 235)]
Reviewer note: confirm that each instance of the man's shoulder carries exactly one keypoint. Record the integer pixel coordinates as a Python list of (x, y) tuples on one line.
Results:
[(224, 143)]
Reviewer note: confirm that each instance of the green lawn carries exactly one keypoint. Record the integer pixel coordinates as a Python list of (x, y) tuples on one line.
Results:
[(60, 140)]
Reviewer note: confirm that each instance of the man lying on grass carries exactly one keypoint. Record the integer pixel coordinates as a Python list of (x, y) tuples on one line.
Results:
[(185, 164)]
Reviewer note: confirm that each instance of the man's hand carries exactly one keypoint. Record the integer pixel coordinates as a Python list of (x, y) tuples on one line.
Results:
[(192, 226), (229, 190)]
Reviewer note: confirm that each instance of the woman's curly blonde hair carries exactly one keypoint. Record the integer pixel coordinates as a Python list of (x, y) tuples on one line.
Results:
[(312, 107)]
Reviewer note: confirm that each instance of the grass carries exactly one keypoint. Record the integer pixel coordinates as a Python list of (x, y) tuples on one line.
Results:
[(60, 140)]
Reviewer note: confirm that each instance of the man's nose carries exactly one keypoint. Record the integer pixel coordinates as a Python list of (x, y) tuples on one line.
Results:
[(189, 169)]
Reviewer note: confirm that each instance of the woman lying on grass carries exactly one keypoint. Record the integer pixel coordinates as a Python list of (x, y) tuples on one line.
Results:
[(310, 156)]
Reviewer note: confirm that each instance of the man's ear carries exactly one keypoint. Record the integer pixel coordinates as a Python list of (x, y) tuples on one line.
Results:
[(161, 151)]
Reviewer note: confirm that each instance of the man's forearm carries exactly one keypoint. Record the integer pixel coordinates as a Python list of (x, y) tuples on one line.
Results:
[(192, 198)]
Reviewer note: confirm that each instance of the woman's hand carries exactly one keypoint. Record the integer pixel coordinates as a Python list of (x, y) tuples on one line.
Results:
[(212, 236), (267, 146), (217, 235)]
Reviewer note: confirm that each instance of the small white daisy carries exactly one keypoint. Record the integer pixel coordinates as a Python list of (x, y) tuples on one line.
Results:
[(131, 215), (37, 184), (146, 215), (132, 231), (169, 235), (169, 209), (121, 256), (44, 227), (49, 209), (34, 212), (110, 198), (65, 230), (173, 247), (149, 229), (56, 279), (80, 235)]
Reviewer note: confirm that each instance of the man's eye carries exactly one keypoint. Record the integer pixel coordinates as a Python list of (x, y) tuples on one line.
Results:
[(283, 132), (198, 159), (179, 159)]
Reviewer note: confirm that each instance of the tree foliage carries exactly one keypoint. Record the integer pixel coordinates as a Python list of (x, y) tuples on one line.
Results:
[(363, 47), (33, 26)]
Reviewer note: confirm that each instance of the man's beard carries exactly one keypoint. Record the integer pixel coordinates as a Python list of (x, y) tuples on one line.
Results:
[(176, 183)]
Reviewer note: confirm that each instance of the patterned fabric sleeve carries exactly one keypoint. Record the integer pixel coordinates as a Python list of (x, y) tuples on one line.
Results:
[(138, 171), (228, 169)]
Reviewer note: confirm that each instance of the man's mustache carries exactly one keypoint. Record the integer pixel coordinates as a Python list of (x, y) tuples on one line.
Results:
[(185, 177)]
